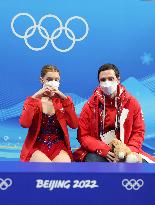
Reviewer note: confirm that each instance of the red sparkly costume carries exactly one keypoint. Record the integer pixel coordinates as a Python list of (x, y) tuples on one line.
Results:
[(48, 134), (50, 140)]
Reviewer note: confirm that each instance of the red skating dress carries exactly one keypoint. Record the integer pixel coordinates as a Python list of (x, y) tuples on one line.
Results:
[(50, 140)]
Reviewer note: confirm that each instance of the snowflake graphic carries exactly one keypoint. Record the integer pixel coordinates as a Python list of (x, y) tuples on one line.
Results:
[(146, 58), (6, 138)]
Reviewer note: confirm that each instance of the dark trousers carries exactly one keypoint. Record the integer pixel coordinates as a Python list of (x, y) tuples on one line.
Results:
[(92, 157)]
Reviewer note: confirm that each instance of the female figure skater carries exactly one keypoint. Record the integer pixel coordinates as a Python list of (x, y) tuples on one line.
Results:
[(47, 114)]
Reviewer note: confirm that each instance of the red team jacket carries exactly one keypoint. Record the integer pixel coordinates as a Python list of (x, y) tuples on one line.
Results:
[(88, 129), (32, 116)]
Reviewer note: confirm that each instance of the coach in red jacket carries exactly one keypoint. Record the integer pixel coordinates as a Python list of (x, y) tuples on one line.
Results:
[(110, 112)]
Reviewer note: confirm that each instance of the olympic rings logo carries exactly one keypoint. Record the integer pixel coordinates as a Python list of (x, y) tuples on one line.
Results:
[(44, 33), (132, 184), (5, 183)]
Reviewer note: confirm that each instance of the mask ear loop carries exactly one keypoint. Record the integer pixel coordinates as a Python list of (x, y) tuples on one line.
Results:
[(44, 84)]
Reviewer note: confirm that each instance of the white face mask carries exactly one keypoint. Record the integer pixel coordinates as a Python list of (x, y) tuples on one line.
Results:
[(52, 83), (109, 87)]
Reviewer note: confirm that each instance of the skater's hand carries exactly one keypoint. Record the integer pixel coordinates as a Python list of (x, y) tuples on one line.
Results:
[(46, 91), (57, 93)]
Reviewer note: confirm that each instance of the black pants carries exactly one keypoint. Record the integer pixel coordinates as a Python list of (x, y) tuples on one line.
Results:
[(92, 157)]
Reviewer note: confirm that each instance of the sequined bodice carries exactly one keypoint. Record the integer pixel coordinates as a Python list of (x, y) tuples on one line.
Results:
[(50, 125), (50, 132)]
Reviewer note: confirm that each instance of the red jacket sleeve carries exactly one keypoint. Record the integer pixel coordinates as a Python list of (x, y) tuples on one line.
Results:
[(29, 109), (138, 129), (90, 143), (70, 114)]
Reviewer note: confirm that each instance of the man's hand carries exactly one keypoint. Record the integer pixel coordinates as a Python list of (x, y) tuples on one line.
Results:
[(110, 157)]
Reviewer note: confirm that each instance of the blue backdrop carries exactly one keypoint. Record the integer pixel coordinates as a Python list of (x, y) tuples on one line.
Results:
[(78, 39)]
